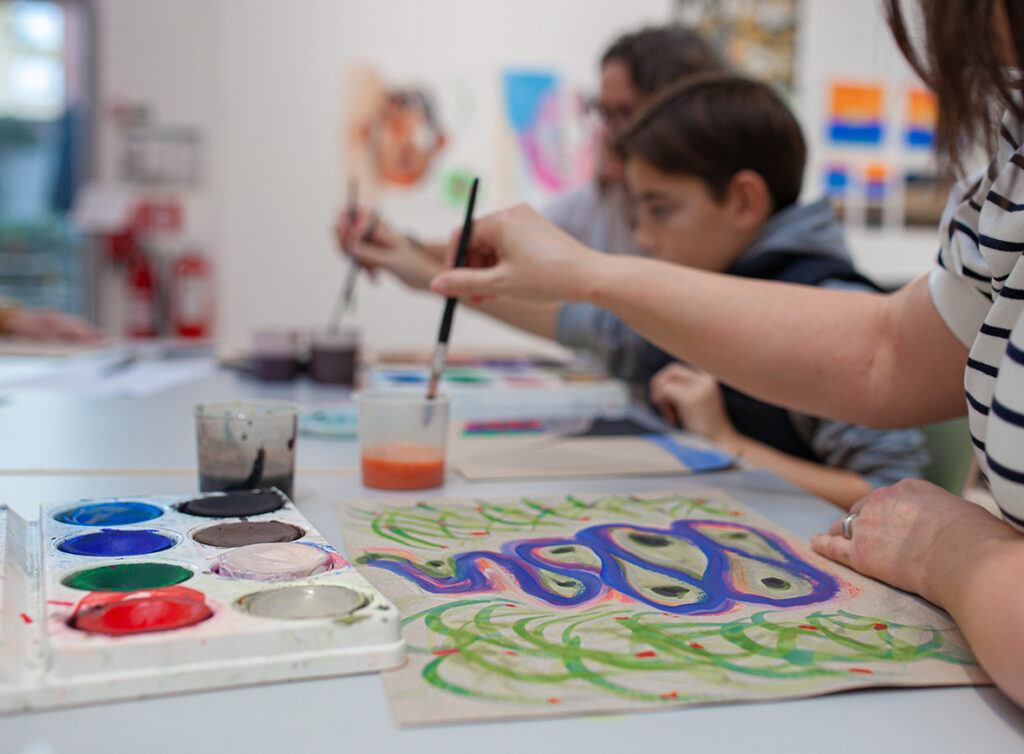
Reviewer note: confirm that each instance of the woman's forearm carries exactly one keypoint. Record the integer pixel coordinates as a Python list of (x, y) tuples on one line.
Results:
[(977, 578), (880, 360)]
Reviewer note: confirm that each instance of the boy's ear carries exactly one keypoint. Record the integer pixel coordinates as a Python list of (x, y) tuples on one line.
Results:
[(749, 199)]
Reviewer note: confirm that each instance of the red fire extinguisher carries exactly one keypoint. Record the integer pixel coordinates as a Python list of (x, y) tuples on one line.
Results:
[(192, 296), (142, 298)]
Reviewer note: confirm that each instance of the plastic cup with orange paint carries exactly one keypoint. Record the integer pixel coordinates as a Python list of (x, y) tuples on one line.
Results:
[(402, 442)]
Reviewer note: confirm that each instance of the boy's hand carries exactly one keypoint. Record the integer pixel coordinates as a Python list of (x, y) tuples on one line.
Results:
[(693, 400)]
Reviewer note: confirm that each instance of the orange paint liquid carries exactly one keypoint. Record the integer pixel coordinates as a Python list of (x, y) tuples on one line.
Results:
[(403, 466)]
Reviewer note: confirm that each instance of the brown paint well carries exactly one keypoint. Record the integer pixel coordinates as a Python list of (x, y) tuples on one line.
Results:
[(243, 533)]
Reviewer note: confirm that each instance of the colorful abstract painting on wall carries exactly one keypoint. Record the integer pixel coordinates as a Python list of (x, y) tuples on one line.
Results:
[(579, 604), (394, 132), (855, 114), (555, 139)]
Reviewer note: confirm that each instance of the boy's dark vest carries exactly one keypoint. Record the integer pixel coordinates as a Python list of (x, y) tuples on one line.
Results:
[(756, 419)]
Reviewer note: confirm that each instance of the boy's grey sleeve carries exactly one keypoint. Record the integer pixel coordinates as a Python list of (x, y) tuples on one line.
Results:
[(604, 337), (882, 456)]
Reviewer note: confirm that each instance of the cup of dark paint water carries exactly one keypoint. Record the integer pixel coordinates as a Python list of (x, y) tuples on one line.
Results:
[(333, 357), (402, 439), (275, 355), (246, 445)]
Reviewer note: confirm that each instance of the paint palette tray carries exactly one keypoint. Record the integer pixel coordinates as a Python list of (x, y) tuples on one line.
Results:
[(507, 391), (126, 598)]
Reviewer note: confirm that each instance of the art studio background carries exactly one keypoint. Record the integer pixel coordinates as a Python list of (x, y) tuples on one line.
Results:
[(175, 168)]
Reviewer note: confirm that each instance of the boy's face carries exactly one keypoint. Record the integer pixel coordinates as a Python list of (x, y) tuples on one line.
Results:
[(678, 220)]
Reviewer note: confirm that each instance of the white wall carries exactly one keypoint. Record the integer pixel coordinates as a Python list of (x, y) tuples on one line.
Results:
[(265, 80), (840, 40), (280, 103)]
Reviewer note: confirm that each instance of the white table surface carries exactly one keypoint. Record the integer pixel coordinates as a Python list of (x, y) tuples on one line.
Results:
[(78, 442), (351, 714)]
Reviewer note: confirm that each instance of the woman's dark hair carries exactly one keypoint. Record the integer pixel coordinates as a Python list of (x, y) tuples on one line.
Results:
[(658, 55), (711, 126), (961, 63)]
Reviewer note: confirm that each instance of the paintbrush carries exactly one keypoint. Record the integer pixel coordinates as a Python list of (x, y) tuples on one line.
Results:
[(441, 350), (344, 299)]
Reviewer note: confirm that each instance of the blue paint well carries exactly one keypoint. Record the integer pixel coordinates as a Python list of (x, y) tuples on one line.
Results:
[(115, 543), (109, 514)]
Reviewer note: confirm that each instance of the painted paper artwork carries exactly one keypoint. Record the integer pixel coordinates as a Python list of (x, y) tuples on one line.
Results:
[(537, 607), (555, 139), (856, 114), (395, 132)]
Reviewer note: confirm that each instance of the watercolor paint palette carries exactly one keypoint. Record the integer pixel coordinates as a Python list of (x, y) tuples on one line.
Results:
[(126, 598), (507, 390)]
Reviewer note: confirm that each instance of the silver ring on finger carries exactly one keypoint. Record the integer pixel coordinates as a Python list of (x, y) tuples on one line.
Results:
[(847, 525)]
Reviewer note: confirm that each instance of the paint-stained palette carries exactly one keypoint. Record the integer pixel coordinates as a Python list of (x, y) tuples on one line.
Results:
[(123, 598)]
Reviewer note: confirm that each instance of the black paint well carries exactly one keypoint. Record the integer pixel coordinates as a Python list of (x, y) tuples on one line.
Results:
[(234, 504)]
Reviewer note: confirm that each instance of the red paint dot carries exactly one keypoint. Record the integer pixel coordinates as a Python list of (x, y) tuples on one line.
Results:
[(554, 700), (479, 533), (879, 626), (584, 518), (444, 547), (509, 604), (738, 513), (809, 628), (695, 645), (510, 652), (133, 615), (865, 671), (621, 617), (670, 695), (60, 602), (646, 653), (444, 652), (26, 618)]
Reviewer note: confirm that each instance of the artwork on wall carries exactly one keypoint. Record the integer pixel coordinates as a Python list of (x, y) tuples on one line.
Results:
[(581, 604), (555, 141), (756, 36), (855, 114), (401, 140), (878, 168)]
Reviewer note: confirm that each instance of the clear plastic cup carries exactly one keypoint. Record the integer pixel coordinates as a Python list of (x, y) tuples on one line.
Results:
[(244, 445), (402, 439), (333, 357), (275, 355)]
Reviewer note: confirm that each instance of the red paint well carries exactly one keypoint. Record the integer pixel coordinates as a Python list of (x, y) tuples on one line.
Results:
[(120, 614)]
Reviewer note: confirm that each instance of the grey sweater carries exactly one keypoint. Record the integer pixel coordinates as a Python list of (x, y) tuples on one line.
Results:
[(881, 456)]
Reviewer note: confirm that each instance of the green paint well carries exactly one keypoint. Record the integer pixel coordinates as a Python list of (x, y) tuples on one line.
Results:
[(128, 577)]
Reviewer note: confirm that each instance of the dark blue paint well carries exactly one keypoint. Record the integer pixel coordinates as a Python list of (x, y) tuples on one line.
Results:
[(110, 514), (114, 543)]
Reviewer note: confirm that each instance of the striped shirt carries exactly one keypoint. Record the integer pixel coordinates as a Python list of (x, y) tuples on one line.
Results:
[(978, 290)]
